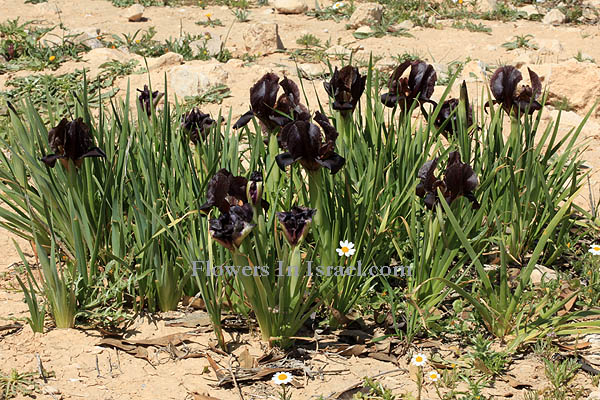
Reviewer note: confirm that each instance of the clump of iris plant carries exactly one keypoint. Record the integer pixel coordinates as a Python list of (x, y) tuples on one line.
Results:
[(144, 99), (303, 142), (273, 111), (459, 180), (296, 223), (197, 125), (345, 88), (419, 85), (71, 140), (225, 190), (514, 98), (447, 119)]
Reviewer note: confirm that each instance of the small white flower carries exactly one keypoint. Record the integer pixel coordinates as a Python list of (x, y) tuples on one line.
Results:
[(433, 376), (419, 359), (595, 249), (282, 378), (338, 5), (346, 248)]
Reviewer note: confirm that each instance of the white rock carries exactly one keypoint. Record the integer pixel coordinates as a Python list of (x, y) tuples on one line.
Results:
[(530, 10), (134, 13), (290, 6), (88, 36), (103, 54), (406, 24), (311, 70), (165, 60), (364, 29), (487, 5), (186, 82), (590, 14), (540, 273), (554, 17), (191, 80), (594, 395), (366, 14), (261, 39), (491, 47), (212, 46), (50, 390)]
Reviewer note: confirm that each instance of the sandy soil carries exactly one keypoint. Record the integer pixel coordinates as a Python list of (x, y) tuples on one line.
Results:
[(84, 370)]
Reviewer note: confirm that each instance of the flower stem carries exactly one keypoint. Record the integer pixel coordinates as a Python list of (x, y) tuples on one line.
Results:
[(322, 223), (272, 181)]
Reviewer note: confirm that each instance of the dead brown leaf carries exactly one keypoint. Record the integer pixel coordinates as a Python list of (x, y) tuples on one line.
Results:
[(245, 359), (193, 302)]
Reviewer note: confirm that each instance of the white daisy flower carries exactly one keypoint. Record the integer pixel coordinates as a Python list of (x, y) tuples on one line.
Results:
[(595, 249), (419, 359), (338, 5), (346, 248), (282, 378), (433, 376)]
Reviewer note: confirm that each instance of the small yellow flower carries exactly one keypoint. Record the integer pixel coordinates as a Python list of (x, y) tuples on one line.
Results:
[(453, 365), (99, 37), (208, 15), (137, 41), (51, 58), (433, 376), (282, 378), (205, 52), (460, 1)]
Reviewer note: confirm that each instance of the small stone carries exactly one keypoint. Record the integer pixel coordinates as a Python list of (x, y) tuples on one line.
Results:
[(166, 60), (540, 273), (338, 50), (404, 25), (366, 14), (50, 390), (261, 39), (589, 14), (87, 36), (364, 30), (185, 82), (487, 5), (530, 10), (491, 47), (212, 46), (190, 80), (290, 6), (594, 395), (554, 17), (325, 30), (134, 13), (311, 70)]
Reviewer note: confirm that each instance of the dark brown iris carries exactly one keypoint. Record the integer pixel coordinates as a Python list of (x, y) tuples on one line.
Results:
[(303, 142), (71, 140), (514, 98), (345, 87)]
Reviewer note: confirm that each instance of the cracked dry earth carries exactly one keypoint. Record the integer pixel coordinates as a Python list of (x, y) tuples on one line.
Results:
[(84, 370)]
